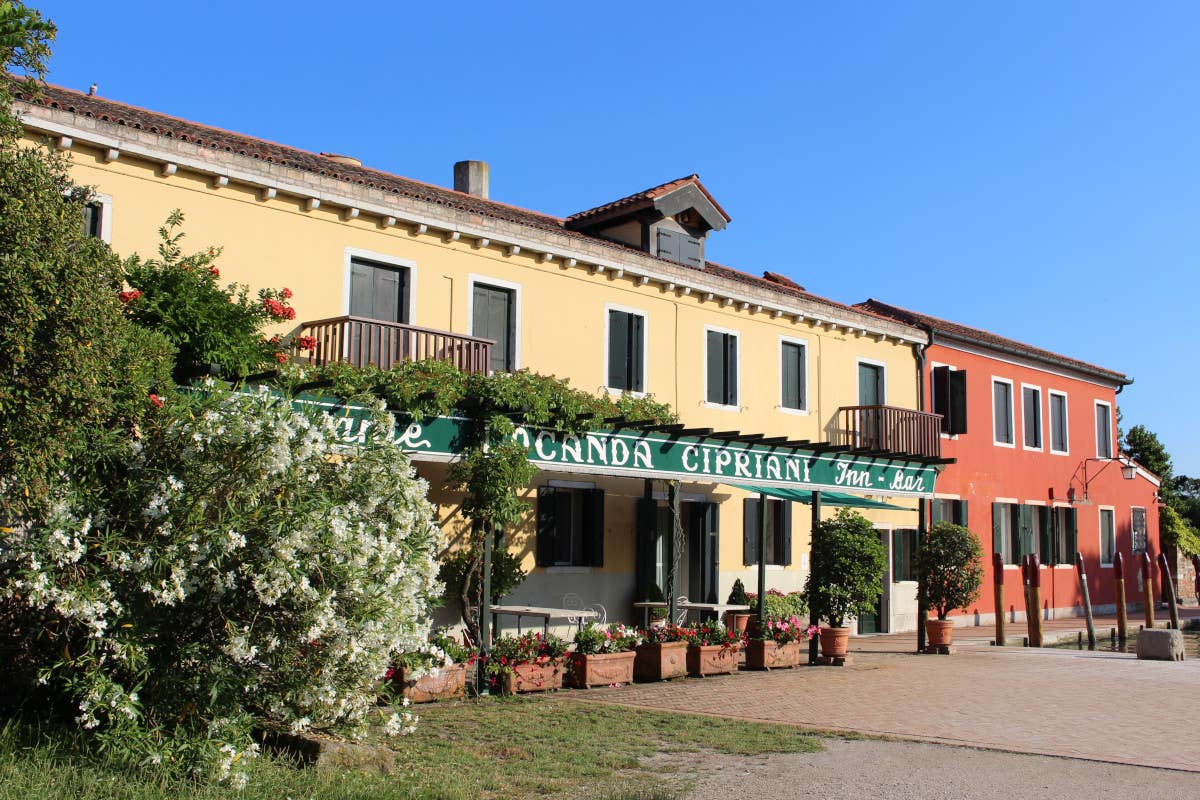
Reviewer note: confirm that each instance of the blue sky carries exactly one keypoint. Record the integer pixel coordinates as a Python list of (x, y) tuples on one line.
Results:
[(1028, 168)]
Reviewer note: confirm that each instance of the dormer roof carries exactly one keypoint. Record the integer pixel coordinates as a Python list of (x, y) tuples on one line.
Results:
[(668, 199)]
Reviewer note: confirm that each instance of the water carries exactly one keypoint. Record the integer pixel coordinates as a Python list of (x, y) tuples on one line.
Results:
[(1109, 644)]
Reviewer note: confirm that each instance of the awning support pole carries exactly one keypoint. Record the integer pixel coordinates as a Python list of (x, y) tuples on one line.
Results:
[(762, 563), (922, 528), (485, 607), (812, 614)]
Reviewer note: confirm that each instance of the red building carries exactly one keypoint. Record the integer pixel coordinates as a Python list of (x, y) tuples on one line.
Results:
[(1037, 466)]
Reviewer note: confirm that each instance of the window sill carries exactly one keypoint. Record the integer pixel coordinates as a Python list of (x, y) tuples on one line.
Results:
[(1009, 445), (799, 412), (1060, 452), (565, 570), (721, 406), (620, 392), (1106, 566), (1013, 567)]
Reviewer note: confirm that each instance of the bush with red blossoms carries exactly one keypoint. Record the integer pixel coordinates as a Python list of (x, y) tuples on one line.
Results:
[(179, 296)]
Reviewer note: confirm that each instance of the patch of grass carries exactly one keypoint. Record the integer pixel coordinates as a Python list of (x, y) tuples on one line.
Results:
[(517, 747)]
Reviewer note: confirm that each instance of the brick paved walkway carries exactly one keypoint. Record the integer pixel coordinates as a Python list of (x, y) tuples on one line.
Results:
[(1101, 706)]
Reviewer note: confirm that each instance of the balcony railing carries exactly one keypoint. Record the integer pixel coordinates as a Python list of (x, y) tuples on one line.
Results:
[(890, 429), (360, 342)]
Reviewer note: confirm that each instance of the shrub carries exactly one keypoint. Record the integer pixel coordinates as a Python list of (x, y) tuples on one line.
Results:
[(949, 567), (242, 566), (737, 594), (440, 650), (710, 633), (506, 574), (180, 297), (781, 606), (1176, 532), (593, 639), (848, 560)]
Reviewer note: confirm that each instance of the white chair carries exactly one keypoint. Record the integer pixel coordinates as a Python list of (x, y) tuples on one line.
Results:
[(680, 611), (573, 602), (601, 613)]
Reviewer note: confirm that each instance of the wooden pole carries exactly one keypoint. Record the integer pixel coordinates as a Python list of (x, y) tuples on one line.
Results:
[(1087, 601), (922, 611), (998, 583), (1025, 582), (1119, 579), (1147, 591), (1035, 600), (1196, 569), (1169, 590)]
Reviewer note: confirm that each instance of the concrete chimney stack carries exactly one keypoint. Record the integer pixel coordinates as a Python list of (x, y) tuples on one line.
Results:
[(471, 177)]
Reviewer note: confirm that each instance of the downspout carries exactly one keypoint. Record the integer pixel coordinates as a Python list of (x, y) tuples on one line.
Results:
[(919, 351)]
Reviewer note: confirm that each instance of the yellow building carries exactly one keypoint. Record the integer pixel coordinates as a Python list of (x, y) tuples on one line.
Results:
[(615, 298)]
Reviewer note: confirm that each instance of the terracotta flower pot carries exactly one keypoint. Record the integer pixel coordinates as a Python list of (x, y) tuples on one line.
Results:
[(737, 621), (446, 684), (534, 676), (939, 632), (835, 642), (711, 659), (600, 669), (768, 654), (660, 661)]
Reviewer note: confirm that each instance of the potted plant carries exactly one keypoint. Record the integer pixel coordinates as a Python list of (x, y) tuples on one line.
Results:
[(848, 560), (657, 616), (737, 620), (437, 671), (531, 662), (662, 655), (949, 567), (780, 606), (712, 649), (779, 645), (602, 656)]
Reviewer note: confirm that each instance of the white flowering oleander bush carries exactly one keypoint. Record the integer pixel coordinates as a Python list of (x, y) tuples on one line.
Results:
[(243, 565)]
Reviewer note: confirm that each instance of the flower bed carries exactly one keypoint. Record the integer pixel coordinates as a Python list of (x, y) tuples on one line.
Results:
[(531, 662), (436, 671), (780, 645), (602, 656), (662, 656), (712, 649)]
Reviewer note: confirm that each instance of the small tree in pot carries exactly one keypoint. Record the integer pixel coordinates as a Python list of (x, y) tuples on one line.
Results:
[(949, 566), (848, 560), (737, 620)]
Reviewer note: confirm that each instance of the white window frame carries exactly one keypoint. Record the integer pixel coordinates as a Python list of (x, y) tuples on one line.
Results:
[(1112, 511), (1012, 408), (1066, 421), (1006, 532), (882, 381), (1041, 418), (737, 377), (803, 343), (105, 202), (639, 312), (1112, 438), (488, 280), (383, 259)]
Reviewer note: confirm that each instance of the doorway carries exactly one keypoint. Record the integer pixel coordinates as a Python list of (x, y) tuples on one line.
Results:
[(874, 621), (698, 555)]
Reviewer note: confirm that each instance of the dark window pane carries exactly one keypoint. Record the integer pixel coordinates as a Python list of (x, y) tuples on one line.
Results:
[(1103, 432), (793, 375), (1058, 423), (618, 350), (721, 380), (870, 385), (1031, 408), (1002, 411), (492, 318)]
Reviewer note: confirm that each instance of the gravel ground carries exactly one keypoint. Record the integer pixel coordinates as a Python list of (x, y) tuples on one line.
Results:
[(885, 769)]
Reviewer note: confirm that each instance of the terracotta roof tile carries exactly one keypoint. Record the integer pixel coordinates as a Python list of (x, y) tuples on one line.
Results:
[(986, 338), (645, 198)]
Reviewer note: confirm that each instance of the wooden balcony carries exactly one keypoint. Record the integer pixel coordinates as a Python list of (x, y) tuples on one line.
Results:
[(888, 429), (363, 342)]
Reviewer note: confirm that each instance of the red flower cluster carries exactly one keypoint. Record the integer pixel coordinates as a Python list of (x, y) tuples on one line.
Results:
[(281, 357), (287, 293), (129, 296), (156, 401), (216, 272), (306, 342), (277, 309)]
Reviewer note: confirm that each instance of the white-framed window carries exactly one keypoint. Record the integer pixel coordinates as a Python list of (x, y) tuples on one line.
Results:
[(948, 397), (625, 349), (1104, 430), (793, 375), (97, 217), (379, 286), (1137, 530), (1031, 417), (1108, 535), (1006, 532), (1060, 441), (721, 368), (1002, 413), (494, 308)]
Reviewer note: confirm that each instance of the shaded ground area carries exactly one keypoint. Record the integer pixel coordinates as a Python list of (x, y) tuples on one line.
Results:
[(867, 768)]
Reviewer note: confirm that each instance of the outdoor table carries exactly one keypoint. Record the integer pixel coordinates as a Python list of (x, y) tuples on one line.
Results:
[(546, 615)]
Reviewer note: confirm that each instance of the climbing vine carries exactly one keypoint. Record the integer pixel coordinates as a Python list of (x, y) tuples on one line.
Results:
[(492, 467)]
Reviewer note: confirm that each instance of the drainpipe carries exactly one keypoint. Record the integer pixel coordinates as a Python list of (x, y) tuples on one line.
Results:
[(919, 351)]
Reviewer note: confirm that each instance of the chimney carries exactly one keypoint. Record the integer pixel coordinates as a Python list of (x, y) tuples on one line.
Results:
[(471, 177)]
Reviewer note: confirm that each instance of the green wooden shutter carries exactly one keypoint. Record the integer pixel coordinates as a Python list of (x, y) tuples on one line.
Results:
[(545, 526), (785, 538), (668, 245), (998, 510), (935, 512), (750, 512), (637, 342), (960, 513), (1045, 539), (689, 252), (1025, 520), (1071, 534), (593, 515), (715, 349), (957, 394), (731, 367), (646, 542), (618, 349), (898, 555)]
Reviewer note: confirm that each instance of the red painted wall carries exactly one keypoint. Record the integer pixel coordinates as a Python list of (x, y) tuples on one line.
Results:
[(985, 471)]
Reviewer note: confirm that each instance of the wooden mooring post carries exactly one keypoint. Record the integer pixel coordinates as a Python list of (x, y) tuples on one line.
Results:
[(1035, 600), (1087, 601), (998, 580), (1169, 590), (1148, 591), (1119, 579)]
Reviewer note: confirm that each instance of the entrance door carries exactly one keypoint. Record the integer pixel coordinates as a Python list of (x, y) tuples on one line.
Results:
[(697, 576), (492, 317), (873, 621)]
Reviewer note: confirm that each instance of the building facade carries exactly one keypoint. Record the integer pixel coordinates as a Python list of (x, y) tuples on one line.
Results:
[(1037, 468), (617, 298)]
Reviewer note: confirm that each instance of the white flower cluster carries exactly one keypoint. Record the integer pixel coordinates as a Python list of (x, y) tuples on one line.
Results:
[(249, 563)]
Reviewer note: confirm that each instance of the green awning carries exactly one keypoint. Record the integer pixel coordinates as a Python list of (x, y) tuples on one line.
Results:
[(827, 498)]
